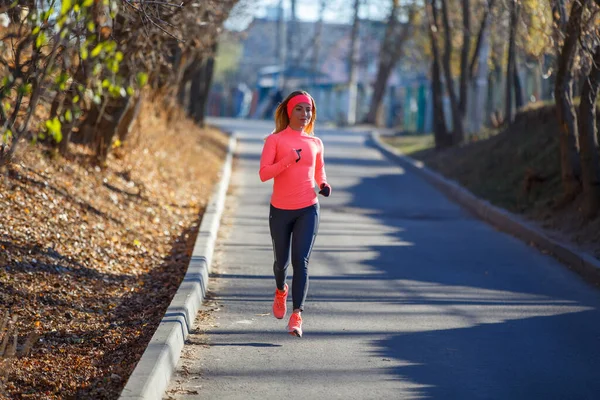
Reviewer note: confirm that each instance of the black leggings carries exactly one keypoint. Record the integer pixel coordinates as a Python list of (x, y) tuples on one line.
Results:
[(298, 228)]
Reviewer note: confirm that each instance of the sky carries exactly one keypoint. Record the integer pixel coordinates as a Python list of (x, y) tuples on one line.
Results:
[(340, 11)]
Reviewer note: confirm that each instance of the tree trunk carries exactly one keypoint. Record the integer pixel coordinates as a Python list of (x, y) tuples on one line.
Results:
[(457, 122), (510, 68), (587, 142), (353, 68), (129, 117), (100, 125), (189, 70), (494, 113), (200, 87), (519, 101), (440, 132), (209, 69), (481, 36), (106, 127), (196, 87), (478, 84), (464, 59), (385, 66), (281, 46), (441, 136), (291, 33), (391, 50), (179, 66), (567, 118), (383, 72), (478, 74), (317, 44)]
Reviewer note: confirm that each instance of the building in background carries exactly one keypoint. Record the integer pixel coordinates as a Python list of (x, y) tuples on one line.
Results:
[(320, 65), (252, 85)]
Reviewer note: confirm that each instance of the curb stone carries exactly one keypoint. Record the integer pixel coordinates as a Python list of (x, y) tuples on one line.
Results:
[(585, 265), (151, 376)]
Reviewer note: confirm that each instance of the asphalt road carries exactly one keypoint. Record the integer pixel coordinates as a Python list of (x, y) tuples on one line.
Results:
[(410, 297)]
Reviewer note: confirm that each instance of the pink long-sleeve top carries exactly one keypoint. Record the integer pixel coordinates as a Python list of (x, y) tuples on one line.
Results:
[(294, 182)]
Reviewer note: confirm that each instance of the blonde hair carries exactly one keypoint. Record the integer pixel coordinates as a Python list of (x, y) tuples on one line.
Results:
[(282, 120)]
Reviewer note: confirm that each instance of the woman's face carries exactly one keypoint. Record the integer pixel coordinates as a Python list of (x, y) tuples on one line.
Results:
[(301, 116)]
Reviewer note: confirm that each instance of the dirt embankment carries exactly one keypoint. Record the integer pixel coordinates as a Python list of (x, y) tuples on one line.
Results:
[(90, 258), (519, 170)]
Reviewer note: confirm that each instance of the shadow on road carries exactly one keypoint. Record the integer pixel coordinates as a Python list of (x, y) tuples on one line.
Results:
[(461, 262), (503, 321)]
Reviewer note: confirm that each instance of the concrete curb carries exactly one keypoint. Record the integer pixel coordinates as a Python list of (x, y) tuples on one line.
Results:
[(151, 376), (585, 265)]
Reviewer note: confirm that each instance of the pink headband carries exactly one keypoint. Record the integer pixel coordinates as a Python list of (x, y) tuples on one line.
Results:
[(294, 101)]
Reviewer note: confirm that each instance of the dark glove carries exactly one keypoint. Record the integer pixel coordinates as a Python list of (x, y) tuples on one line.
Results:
[(298, 152), (325, 189)]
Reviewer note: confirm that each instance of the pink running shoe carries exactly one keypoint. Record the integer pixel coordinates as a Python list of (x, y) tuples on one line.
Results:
[(295, 325), (279, 303)]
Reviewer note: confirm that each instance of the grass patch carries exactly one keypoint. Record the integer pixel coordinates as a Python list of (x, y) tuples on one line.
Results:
[(410, 143)]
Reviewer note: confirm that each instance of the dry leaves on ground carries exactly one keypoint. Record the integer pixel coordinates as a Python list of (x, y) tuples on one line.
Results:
[(90, 258)]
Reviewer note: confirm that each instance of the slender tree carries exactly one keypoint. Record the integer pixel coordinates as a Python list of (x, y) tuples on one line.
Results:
[(392, 47), (281, 45), (563, 93), (479, 71), (291, 35), (457, 121), (587, 138), (515, 8), (481, 37), (464, 58), (442, 138), (316, 47), (353, 67)]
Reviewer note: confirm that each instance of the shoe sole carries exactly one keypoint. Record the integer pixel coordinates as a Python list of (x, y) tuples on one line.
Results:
[(296, 333)]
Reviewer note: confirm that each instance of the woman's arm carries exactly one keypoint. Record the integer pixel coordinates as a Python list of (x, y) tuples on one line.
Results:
[(268, 167), (320, 176)]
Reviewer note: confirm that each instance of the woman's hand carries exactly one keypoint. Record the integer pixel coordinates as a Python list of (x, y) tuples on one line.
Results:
[(325, 189)]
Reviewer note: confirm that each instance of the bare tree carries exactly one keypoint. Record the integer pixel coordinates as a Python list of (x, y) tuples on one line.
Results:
[(292, 28), (316, 47), (464, 58), (515, 8), (563, 92), (479, 71), (587, 138), (353, 67), (457, 121), (442, 138), (481, 35), (281, 45), (396, 36)]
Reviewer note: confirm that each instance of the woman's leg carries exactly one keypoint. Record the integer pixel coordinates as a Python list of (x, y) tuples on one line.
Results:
[(303, 237), (281, 224)]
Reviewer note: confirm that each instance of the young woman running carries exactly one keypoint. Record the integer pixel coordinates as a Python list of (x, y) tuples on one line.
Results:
[(293, 157)]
